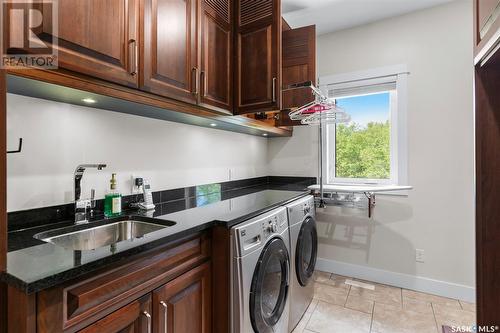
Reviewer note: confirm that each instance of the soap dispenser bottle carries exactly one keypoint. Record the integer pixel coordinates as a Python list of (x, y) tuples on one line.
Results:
[(113, 199)]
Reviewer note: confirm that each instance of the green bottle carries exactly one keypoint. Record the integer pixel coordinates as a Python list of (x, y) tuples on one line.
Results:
[(112, 200)]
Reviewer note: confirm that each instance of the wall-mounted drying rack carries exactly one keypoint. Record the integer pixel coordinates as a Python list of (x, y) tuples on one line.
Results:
[(344, 195), (19, 149)]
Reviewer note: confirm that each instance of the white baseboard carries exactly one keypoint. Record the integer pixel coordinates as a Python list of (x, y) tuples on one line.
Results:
[(418, 283)]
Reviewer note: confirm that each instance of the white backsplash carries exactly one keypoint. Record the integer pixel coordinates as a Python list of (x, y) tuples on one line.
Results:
[(58, 137)]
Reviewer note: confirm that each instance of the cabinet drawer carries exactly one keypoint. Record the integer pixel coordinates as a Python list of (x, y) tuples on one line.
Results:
[(134, 317), (79, 303)]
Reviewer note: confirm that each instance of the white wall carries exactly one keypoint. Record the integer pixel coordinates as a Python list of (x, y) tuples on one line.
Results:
[(437, 216), (58, 137)]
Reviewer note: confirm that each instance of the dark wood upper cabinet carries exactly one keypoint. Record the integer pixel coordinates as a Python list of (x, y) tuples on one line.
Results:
[(216, 74), (486, 13), (257, 56), (299, 65), (184, 304), (486, 28), (133, 318), (97, 38), (169, 50)]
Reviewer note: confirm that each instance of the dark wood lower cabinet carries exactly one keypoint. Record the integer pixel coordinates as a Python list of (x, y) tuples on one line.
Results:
[(184, 304), (132, 318), (119, 298)]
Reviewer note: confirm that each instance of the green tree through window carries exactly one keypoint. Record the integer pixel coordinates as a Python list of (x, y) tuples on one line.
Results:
[(363, 146)]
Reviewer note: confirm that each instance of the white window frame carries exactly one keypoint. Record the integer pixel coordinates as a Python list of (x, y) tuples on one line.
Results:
[(398, 121)]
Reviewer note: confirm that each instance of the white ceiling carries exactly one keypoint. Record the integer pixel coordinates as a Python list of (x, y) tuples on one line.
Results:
[(333, 15)]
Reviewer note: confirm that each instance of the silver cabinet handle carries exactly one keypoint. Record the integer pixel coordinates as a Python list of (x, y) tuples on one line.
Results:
[(196, 80), (165, 314), (274, 89), (203, 78), (148, 316), (134, 54)]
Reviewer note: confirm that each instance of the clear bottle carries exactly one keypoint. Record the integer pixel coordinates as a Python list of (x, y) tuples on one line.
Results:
[(113, 199)]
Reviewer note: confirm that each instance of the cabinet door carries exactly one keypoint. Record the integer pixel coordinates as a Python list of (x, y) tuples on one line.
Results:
[(299, 65), (170, 49), (258, 56), (97, 38), (487, 13), (486, 29), (132, 318), (216, 54), (184, 304)]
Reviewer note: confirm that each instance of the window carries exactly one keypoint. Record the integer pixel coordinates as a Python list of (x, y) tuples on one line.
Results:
[(371, 149)]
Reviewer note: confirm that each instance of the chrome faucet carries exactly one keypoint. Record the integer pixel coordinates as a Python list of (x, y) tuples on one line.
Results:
[(83, 207)]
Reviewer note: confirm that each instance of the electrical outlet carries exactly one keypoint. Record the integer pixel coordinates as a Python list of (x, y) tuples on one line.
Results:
[(419, 255), (135, 189)]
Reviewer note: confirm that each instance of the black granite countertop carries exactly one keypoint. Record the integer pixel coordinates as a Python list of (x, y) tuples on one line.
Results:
[(33, 265)]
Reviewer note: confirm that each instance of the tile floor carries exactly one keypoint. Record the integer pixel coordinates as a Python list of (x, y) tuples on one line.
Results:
[(369, 307)]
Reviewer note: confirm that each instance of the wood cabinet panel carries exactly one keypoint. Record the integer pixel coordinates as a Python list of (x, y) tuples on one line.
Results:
[(216, 55), (132, 318), (221, 279), (97, 38), (299, 65), (21, 311), (258, 56), (487, 122), (170, 49), (184, 304)]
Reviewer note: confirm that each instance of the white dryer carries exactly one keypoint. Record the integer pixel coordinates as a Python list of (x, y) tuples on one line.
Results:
[(303, 253), (260, 273)]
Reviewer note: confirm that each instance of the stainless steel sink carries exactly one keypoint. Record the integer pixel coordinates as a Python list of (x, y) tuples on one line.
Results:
[(100, 236)]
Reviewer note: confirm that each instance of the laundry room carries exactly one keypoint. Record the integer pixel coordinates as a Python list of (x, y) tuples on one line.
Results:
[(237, 166)]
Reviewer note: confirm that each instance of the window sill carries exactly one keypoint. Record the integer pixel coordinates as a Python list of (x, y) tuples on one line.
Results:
[(359, 188)]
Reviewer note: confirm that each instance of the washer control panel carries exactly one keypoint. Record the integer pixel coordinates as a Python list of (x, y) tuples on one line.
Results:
[(270, 226), (255, 232), (274, 224), (298, 209)]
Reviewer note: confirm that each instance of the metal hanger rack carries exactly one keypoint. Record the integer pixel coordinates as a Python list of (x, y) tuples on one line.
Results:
[(322, 110)]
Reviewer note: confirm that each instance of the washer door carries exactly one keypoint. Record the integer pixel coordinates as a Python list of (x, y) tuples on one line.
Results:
[(269, 291), (306, 251)]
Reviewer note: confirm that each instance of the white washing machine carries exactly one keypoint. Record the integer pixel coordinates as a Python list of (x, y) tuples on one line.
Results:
[(303, 253), (260, 273)]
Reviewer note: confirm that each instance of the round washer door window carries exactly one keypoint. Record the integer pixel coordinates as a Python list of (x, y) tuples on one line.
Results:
[(269, 291), (306, 251)]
